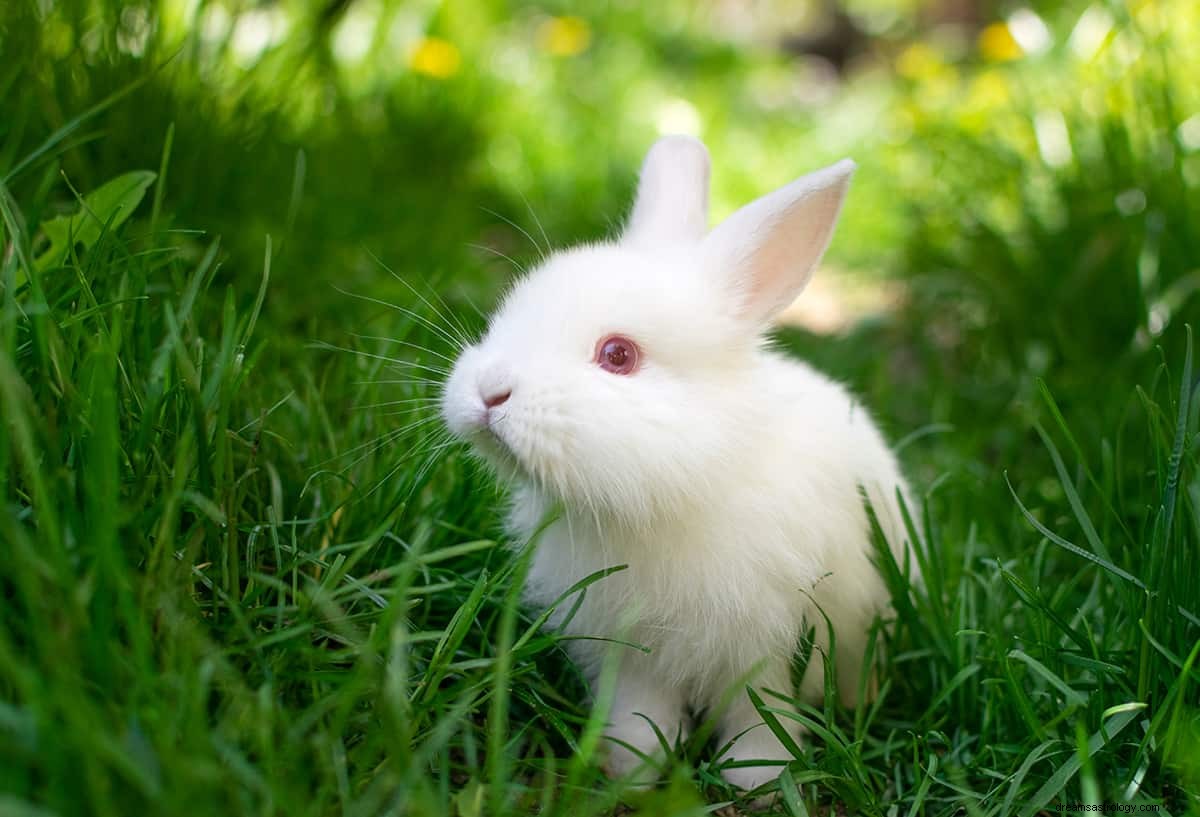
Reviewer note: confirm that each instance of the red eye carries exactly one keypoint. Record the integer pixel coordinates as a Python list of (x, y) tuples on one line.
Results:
[(617, 354)]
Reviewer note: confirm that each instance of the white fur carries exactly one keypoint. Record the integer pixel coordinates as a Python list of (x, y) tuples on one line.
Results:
[(725, 476)]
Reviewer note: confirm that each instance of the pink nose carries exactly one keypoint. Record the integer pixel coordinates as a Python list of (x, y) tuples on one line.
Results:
[(497, 399)]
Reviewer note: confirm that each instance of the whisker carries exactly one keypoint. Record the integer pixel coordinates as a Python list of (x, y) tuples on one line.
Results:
[(478, 311), (404, 460), (392, 361), (408, 364), (462, 333), (456, 342), (411, 410), (495, 251), (430, 462), (387, 403), (409, 344), (386, 435), (391, 437), (451, 316), (409, 382), (380, 444), (520, 229), (536, 221)]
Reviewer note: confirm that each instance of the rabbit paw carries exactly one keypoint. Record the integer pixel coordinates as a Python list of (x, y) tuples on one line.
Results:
[(759, 744), (634, 749)]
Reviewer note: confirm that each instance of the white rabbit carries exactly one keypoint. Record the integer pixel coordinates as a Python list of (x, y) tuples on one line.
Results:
[(631, 383)]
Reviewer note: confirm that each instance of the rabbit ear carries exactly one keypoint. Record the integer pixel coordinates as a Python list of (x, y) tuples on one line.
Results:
[(768, 249), (672, 196)]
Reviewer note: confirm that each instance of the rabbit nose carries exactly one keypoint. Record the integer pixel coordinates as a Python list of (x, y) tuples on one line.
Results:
[(497, 398), (495, 383)]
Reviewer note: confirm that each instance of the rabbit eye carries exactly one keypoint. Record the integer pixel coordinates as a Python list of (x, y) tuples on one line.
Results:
[(617, 354)]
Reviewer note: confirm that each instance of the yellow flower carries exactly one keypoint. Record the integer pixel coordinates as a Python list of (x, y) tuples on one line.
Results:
[(996, 44), (564, 36), (919, 61), (989, 90), (435, 57)]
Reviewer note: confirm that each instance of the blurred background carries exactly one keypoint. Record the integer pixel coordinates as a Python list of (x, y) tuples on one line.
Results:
[(1028, 170), (1014, 270)]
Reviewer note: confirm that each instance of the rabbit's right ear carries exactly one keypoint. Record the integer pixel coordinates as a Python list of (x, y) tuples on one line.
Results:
[(766, 251), (672, 196)]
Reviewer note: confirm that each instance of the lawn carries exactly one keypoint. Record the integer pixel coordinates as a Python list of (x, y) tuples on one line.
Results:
[(243, 569)]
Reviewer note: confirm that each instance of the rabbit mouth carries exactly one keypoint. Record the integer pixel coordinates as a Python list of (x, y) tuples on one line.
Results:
[(494, 439), (490, 442), (500, 455)]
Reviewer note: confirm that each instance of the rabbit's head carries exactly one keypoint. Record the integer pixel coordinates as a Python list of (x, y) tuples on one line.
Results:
[(617, 376)]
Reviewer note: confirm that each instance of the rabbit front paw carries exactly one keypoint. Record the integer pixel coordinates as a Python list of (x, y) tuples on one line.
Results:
[(648, 719), (765, 757), (635, 750)]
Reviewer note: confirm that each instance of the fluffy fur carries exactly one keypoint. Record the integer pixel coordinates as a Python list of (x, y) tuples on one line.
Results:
[(725, 476)]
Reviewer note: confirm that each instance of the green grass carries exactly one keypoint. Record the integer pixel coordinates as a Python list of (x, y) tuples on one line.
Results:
[(241, 571)]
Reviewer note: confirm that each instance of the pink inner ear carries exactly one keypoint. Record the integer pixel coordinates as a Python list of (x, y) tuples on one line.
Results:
[(768, 249), (790, 249)]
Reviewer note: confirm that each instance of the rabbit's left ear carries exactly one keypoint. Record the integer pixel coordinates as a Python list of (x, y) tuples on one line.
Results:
[(766, 252), (672, 195)]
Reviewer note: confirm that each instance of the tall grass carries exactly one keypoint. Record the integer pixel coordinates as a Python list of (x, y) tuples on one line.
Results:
[(242, 572)]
